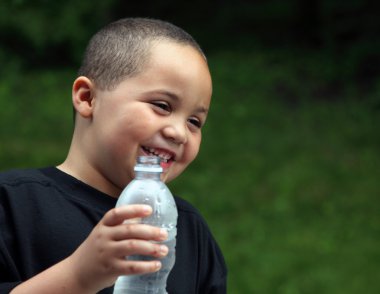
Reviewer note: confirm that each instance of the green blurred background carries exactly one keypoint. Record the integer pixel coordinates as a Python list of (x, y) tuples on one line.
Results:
[(288, 174)]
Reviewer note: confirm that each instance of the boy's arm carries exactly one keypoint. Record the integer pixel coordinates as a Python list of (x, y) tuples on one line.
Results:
[(100, 259), (58, 279)]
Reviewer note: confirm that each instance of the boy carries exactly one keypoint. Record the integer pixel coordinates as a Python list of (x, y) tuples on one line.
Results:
[(143, 88)]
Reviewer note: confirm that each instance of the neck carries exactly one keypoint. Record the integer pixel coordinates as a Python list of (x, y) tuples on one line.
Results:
[(78, 166)]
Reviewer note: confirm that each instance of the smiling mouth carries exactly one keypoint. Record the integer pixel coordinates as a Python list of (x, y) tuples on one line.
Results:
[(165, 156)]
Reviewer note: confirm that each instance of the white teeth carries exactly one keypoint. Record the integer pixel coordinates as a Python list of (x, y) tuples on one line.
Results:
[(163, 155)]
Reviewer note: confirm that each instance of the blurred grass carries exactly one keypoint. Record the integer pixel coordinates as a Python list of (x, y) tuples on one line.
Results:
[(35, 117), (288, 173)]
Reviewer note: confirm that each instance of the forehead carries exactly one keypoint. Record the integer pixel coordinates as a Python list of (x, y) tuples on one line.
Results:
[(178, 68), (180, 59), (165, 51)]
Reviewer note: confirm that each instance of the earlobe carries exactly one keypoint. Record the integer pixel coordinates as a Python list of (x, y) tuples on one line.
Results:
[(83, 96)]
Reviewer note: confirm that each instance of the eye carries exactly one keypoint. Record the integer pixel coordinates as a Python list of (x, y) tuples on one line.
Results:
[(195, 122), (162, 106)]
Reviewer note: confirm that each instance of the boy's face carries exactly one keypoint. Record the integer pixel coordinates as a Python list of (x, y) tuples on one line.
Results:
[(158, 112)]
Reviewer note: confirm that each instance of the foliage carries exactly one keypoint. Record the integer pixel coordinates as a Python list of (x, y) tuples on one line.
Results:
[(53, 33), (42, 32), (35, 118)]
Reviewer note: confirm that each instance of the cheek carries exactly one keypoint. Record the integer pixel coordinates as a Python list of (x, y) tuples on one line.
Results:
[(193, 148), (133, 126), (190, 153)]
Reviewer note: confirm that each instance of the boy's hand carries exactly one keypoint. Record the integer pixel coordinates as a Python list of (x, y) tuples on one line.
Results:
[(101, 257)]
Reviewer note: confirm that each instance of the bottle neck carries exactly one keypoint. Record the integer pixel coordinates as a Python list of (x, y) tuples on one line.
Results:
[(139, 175)]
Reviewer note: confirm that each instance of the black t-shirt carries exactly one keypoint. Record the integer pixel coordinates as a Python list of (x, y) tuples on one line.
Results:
[(46, 214)]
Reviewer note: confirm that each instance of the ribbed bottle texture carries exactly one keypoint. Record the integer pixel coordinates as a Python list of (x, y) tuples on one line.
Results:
[(147, 188)]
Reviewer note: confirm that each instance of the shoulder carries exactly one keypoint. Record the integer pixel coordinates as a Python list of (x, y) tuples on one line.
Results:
[(187, 211), (195, 236), (18, 177), (185, 206), (193, 227), (21, 184)]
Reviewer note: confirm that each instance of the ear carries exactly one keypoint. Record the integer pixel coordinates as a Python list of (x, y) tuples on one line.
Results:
[(83, 96)]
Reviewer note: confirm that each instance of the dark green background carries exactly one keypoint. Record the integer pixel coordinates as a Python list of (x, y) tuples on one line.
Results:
[(288, 174)]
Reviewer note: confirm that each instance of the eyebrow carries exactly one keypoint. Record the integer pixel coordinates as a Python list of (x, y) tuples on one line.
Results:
[(174, 97)]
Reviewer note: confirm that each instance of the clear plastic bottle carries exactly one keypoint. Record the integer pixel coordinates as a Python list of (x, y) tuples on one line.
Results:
[(147, 188)]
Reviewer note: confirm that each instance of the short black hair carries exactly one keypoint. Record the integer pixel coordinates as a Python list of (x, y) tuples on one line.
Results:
[(121, 49)]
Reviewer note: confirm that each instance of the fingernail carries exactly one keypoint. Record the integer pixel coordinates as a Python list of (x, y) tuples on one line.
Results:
[(163, 249), (147, 208), (163, 234), (157, 265)]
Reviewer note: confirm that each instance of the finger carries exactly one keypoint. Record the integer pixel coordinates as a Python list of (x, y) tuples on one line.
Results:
[(118, 215), (128, 267), (139, 247), (138, 231)]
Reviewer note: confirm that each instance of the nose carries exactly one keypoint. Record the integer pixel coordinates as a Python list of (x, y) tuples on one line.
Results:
[(176, 133)]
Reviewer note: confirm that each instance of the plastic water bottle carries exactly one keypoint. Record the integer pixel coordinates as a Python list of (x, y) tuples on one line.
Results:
[(147, 188)]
